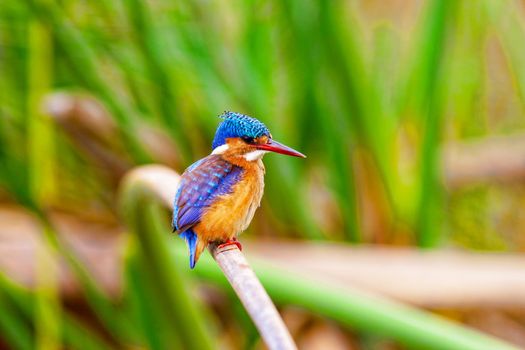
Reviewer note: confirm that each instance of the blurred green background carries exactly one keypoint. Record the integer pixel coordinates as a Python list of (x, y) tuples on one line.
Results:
[(381, 96)]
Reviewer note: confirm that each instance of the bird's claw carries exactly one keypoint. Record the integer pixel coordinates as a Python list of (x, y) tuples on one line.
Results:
[(233, 241)]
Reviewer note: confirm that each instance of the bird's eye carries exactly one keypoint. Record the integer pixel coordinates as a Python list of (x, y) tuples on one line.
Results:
[(249, 140)]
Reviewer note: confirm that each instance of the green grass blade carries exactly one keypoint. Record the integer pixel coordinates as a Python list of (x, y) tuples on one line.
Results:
[(75, 334), (186, 314), (12, 327), (111, 316), (48, 309), (509, 21), (157, 62), (82, 59), (40, 129), (440, 13), (148, 304)]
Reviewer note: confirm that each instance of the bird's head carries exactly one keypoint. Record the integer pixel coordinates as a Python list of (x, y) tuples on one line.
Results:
[(239, 135)]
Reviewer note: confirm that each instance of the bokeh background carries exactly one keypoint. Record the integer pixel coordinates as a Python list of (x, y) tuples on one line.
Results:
[(411, 114)]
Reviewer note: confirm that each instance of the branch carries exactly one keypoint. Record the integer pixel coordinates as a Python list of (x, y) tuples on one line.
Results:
[(484, 160), (160, 184), (253, 296), (94, 132)]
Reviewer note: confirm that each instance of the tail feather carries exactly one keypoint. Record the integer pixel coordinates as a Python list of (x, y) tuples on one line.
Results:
[(195, 245)]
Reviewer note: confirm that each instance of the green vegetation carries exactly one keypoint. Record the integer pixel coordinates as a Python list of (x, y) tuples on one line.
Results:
[(371, 102)]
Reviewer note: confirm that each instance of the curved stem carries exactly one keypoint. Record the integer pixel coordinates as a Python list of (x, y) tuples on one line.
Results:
[(372, 314), (159, 184), (139, 206)]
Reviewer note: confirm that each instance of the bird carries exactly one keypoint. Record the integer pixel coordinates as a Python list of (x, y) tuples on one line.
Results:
[(219, 194)]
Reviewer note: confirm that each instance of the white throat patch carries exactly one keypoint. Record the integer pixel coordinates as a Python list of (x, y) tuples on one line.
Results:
[(220, 149), (254, 155)]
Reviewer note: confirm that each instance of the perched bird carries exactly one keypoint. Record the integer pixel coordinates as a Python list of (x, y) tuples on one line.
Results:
[(218, 195)]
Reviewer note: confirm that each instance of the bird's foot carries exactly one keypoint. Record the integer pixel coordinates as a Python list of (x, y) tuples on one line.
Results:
[(232, 241)]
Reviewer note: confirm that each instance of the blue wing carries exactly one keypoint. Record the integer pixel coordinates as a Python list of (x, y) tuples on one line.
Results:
[(182, 184), (200, 185)]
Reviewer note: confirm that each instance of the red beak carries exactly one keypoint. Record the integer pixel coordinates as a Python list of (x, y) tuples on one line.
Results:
[(274, 146)]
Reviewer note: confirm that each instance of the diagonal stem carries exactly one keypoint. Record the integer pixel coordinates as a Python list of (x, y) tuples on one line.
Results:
[(253, 296)]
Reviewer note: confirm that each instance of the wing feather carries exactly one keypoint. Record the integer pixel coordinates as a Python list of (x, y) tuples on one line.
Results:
[(201, 184)]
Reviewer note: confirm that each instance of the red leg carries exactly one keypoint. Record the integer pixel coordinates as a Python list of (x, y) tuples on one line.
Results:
[(230, 242)]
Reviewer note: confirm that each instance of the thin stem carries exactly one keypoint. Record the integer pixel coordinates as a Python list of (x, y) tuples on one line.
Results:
[(253, 296)]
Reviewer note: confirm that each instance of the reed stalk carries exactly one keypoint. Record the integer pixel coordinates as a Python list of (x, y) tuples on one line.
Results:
[(372, 315)]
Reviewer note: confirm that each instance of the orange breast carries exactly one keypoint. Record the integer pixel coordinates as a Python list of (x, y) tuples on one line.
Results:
[(232, 213)]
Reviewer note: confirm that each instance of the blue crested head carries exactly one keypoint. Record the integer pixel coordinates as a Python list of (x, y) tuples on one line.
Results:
[(238, 125)]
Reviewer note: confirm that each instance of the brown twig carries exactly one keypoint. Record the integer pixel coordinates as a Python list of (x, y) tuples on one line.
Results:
[(485, 160), (94, 132)]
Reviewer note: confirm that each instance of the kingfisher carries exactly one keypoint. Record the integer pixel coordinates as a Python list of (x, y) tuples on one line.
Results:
[(218, 194)]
